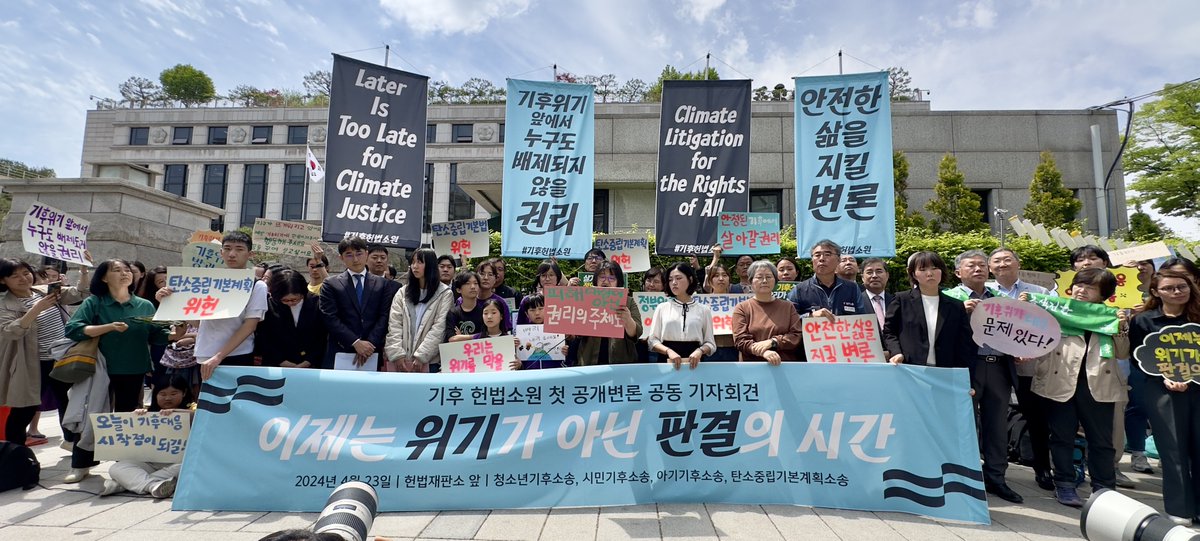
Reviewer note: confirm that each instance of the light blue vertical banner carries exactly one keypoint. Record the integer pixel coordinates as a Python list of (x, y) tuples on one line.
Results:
[(844, 164), (549, 172)]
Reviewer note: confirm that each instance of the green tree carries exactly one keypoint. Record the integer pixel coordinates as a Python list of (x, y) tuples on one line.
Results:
[(1144, 228), (899, 84), (1050, 202), (670, 73), (633, 91), (249, 96), (954, 207), (1165, 152), (317, 83), (140, 91), (187, 85), (904, 217)]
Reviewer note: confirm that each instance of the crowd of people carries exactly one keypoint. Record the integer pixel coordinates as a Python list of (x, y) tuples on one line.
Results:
[(369, 318)]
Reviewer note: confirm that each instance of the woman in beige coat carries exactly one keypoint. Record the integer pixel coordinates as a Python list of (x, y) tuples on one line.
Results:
[(29, 322), (418, 318), (1079, 385)]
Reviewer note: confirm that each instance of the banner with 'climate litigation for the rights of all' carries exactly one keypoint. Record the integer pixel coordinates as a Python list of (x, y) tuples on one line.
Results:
[(870, 437)]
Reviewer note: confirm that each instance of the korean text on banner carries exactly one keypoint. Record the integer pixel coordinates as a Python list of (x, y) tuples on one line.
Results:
[(549, 170), (1127, 295), (703, 162), (375, 154), (475, 356), (752, 233), (844, 164), (1013, 327), (202, 255), (462, 238), (150, 437), (846, 339), (632, 252), (285, 238), (722, 305), (56, 234), (646, 303), (205, 293), (1172, 352), (585, 311), (802, 434)]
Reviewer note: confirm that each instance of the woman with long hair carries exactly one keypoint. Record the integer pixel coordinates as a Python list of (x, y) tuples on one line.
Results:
[(417, 323), (1173, 407)]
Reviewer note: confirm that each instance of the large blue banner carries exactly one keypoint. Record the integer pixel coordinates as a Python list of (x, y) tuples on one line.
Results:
[(844, 189), (549, 170), (869, 437)]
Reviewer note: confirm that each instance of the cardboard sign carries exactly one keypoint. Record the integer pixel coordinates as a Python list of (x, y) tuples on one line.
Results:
[(748, 233), (847, 339), (462, 238), (474, 356), (722, 305), (1127, 295), (632, 252), (585, 311), (536, 345), (205, 293), (206, 236), (53, 233), (203, 255), (285, 238), (1144, 252), (1017, 328), (150, 437), (1039, 278), (1172, 353)]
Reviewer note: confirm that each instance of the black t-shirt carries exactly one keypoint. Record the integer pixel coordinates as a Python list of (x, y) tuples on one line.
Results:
[(461, 321)]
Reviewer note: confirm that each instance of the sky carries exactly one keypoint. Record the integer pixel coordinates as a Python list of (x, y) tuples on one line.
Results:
[(57, 56)]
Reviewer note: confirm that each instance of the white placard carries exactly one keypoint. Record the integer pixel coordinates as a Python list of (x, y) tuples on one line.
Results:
[(150, 437), (205, 293)]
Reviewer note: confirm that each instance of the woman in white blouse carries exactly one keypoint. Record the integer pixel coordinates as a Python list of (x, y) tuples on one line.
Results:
[(682, 328)]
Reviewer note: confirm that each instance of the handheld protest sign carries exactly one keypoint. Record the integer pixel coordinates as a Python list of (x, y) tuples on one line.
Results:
[(535, 344), (53, 233), (1017, 328), (631, 252), (847, 339), (285, 238), (722, 305), (646, 303), (585, 311), (753, 233), (475, 356), (205, 293), (461, 238), (202, 255), (1127, 295), (1172, 353), (150, 437)]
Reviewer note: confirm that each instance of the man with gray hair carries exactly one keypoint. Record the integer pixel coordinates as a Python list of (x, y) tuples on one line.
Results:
[(826, 294), (993, 378)]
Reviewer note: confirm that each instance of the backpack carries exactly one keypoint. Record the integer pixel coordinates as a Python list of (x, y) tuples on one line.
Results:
[(1020, 448), (18, 467)]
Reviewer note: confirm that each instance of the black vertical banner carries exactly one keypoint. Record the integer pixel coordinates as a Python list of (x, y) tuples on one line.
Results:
[(375, 156), (703, 162)]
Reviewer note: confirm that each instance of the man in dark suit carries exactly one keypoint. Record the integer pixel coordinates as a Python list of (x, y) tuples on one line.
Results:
[(355, 304), (875, 281)]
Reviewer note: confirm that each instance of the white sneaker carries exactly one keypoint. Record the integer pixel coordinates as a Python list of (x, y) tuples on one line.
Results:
[(1124, 481), (1180, 520), (111, 487), (163, 489), (76, 475), (67, 446), (1139, 463)]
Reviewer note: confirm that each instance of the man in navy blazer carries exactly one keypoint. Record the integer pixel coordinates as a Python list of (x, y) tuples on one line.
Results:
[(357, 322)]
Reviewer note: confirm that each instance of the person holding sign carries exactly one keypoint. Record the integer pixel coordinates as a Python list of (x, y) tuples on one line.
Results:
[(766, 328), (548, 274), (681, 325), (591, 263), (417, 323), (115, 314), (153, 478), (1080, 384), (1173, 406), (595, 350)]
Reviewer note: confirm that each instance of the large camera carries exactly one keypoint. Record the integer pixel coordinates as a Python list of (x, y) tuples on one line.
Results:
[(349, 511), (1110, 516)]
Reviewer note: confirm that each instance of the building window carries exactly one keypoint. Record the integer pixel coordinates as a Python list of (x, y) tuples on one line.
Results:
[(214, 185), (462, 207), (254, 193), (217, 135), (430, 133), (427, 216), (464, 133), (295, 180), (768, 201), (139, 136), (182, 136), (297, 135), (600, 206), (262, 135), (175, 180), (502, 133), (985, 204)]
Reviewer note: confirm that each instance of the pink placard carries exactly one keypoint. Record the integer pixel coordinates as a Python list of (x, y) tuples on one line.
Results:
[(585, 311)]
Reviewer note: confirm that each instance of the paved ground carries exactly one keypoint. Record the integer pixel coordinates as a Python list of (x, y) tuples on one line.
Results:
[(59, 511)]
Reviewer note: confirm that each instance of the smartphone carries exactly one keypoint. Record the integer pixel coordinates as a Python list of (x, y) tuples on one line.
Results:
[(54, 288)]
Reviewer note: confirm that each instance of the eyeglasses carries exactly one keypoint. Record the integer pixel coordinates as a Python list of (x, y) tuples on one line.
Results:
[(594, 258), (1173, 289), (317, 266)]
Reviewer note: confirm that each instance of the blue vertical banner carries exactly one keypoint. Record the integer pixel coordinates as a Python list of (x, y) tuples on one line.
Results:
[(872, 437), (549, 170), (844, 164)]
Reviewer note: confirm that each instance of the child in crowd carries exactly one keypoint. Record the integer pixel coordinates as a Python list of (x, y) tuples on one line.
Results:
[(465, 319), (533, 310), (154, 478), (494, 323)]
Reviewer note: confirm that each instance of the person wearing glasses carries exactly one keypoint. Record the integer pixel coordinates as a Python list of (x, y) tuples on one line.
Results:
[(591, 263), (594, 350), (318, 269), (766, 328)]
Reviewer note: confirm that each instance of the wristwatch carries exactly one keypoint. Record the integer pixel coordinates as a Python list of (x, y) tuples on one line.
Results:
[(774, 344)]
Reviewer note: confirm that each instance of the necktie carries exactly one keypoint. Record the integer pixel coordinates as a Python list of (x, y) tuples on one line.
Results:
[(358, 287), (877, 303)]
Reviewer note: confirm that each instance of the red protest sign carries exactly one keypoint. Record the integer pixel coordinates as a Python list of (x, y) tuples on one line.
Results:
[(585, 311)]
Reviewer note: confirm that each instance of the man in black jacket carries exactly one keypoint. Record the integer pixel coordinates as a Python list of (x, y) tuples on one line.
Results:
[(355, 304)]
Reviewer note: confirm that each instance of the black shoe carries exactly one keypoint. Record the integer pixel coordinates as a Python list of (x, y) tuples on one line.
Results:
[(1005, 493), (1044, 480)]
